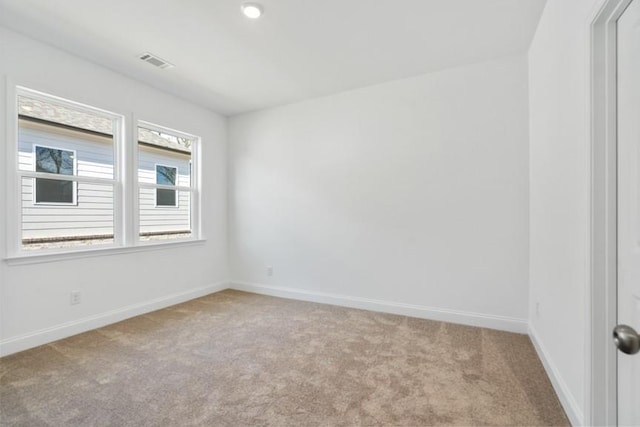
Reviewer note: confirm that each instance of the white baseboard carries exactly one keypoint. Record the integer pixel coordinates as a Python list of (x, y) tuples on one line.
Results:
[(64, 330), (453, 316), (568, 401)]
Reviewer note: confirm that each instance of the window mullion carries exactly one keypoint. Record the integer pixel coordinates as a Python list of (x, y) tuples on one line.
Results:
[(14, 182), (196, 182), (132, 229), (58, 177), (165, 187), (120, 192)]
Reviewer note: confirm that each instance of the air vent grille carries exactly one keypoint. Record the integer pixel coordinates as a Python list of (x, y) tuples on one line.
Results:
[(155, 60)]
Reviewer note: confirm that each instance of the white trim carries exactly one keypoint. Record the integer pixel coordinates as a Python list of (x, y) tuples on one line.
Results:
[(502, 323), (196, 183), (59, 177), (54, 255), (13, 221), (119, 142), (167, 187), (64, 330), (601, 293), (568, 401), (131, 163)]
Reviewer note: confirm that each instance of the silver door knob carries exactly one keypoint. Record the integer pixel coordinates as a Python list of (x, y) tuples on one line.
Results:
[(626, 339)]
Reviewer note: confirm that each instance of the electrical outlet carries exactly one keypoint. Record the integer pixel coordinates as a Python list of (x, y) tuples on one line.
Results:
[(75, 297), (269, 271), (537, 309)]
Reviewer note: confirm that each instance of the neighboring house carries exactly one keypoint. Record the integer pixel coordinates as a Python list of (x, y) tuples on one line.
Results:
[(53, 139)]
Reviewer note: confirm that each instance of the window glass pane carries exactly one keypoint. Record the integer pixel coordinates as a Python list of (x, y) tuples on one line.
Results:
[(56, 226), (164, 159), (165, 197), (62, 139), (166, 175), (51, 160), (162, 223), (54, 191)]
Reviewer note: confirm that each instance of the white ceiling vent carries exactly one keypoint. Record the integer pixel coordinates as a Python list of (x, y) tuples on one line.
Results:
[(155, 60)]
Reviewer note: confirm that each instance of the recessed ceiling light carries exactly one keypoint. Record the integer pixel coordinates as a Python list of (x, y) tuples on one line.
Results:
[(252, 10)]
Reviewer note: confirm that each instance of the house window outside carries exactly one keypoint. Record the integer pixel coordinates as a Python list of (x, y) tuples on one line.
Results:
[(166, 175), (58, 162)]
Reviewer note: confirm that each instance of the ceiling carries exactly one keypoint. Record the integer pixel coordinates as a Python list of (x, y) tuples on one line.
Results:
[(299, 49)]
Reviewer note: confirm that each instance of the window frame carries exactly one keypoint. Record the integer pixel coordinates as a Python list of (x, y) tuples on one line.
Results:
[(15, 175), (74, 202), (125, 182)]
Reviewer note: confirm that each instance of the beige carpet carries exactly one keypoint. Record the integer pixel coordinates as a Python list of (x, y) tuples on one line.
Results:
[(235, 359)]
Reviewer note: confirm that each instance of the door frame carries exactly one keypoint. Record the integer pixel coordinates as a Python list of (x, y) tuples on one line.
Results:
[(601, 308)]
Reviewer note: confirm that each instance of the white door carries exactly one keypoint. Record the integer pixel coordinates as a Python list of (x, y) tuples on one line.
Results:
[(629, 209)]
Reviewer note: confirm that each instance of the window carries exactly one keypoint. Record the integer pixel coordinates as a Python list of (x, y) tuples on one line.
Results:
[(67, 165), (166, 175), (167, 191), (59, 162), (67, 174)]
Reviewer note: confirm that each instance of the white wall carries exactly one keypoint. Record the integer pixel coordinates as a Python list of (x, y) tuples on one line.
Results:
[(412, 193), (35, 298), (559, 160)]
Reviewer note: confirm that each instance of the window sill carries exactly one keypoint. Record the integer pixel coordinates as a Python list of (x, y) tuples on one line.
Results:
[(38, 258)]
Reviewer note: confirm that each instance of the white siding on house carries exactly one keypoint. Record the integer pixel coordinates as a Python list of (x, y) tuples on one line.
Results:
[(156, 219), (94, 212), (163, 218), (94, 153)]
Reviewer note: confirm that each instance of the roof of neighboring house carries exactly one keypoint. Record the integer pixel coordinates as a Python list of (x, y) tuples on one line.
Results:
[(42, 110), (148, 137)]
